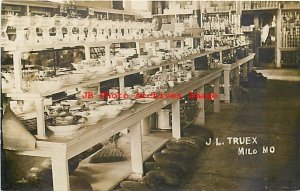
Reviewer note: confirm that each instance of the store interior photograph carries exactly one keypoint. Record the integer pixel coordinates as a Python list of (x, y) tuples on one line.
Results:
[(142, 95)]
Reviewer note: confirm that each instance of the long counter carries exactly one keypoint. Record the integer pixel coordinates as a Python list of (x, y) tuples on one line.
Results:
[(62, 149)]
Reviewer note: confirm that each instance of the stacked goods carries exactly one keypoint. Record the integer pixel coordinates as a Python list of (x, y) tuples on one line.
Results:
[(238, 93), (256, 80), (290, 59), (134, 186), (109, 153), (173, 164)]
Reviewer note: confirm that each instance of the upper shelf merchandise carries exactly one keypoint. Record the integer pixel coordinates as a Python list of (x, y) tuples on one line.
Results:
[(249, 5), (221, 23), (290, 28)]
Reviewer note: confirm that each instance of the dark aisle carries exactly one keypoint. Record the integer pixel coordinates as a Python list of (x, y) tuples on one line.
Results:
[(273, 116)]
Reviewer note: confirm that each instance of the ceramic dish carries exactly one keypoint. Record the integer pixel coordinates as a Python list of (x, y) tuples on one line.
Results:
[(92, 116), (110, 110), (144, 100), (64, 130)]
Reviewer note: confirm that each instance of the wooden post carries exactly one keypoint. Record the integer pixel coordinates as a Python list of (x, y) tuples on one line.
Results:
[(87, 52), (39, 106), (250, 67), (245, 70), (107, 55), (168, 44), (17, 71), (226, 74), (236, 73), (138, 49), (164, 72), (221, 57), (193, 65), (136, 150), (176, 119), (278, 39), (201, 114), (60, 171), (153, 48), (217, 93), (121, 85)]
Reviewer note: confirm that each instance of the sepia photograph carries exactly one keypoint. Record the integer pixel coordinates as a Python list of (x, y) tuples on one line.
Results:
[(148, 95)]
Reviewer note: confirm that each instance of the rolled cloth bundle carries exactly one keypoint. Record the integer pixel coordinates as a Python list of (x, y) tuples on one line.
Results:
[(15, 135)]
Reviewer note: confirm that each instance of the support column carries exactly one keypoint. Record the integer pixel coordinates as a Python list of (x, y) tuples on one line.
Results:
[(226, 85), (136, 150), (245, 70), (217, 93), (60, 171), (236, 73), (168, 44), (201, 114), (250, 67), (17, 71), (107, 55), (121, 85), (39, 106), (138, 49), (182, 44), (176, 119), (87, 52)]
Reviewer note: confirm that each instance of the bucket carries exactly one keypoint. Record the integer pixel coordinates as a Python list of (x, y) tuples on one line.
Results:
[(164, 119)]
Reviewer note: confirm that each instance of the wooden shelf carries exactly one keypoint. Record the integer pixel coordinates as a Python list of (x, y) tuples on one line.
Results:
[(261, 9), (173, 14), (215, 35), (101, 79), (90, 135), (289, 9), (86, 137), (238, 62), (106, 176), (267, 47), (219, 12), (289, 49), (31, 48)]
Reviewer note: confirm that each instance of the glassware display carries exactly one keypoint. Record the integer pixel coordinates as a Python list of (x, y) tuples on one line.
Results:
[(47, 31)]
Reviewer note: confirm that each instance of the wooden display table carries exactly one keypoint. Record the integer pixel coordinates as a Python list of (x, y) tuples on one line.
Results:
[(62, 149), (247, 65)]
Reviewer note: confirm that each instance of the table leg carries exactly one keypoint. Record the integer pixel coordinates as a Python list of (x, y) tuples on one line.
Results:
[(250, 68), (201, 114), (236, 74), (217, 93), (227, 86), (245, 70), (176, 119), (39, 106), (60, 172), (136, 150)]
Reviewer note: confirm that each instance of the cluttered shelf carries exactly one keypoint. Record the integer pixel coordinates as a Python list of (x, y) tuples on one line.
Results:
[(108, 127), (111, 174)]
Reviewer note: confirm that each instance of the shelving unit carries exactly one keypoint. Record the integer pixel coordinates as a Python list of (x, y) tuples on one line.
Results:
[(247, 65), (290, 37), (62, 149), (87, 137), (285, 41)]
